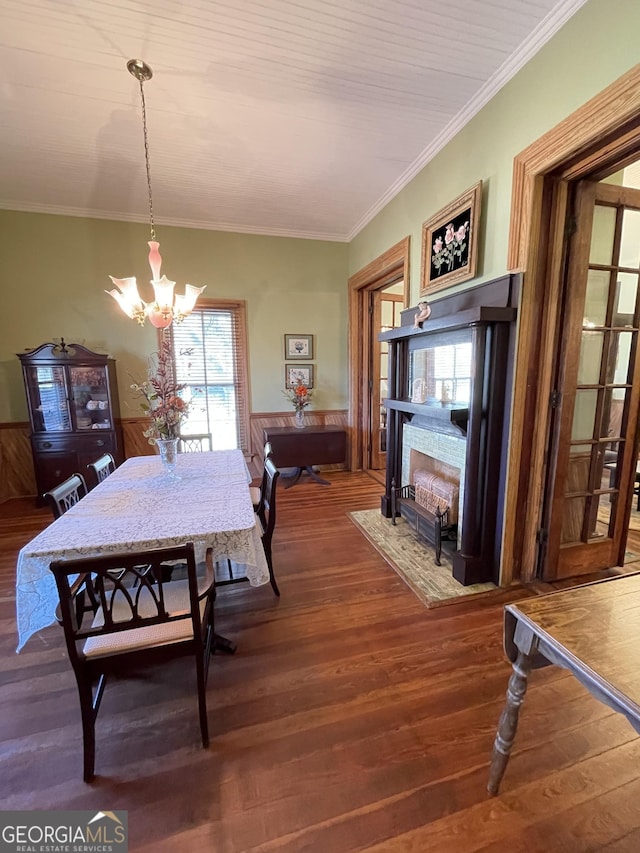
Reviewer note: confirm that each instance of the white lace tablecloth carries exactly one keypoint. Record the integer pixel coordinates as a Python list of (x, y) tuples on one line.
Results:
[(138, 508)]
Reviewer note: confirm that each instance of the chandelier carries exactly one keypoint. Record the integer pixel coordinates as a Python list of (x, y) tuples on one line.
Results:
[(165, 308)]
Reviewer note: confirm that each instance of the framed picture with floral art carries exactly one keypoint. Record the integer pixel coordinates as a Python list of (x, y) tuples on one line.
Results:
[(294, 373), (450, 242), (298, 346)]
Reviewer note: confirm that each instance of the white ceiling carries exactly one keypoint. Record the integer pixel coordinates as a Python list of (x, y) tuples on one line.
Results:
[(291, 117)]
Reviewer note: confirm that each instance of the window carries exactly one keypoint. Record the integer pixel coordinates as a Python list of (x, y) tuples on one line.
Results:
[(210, 356)]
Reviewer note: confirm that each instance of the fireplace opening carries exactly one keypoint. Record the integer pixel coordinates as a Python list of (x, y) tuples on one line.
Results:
[(436, 484), (430, 501)]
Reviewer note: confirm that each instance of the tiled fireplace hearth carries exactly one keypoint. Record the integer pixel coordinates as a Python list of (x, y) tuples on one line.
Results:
[(460, 359)]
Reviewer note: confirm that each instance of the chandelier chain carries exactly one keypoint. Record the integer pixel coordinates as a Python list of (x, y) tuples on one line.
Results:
[(165, 309), (146, 159)]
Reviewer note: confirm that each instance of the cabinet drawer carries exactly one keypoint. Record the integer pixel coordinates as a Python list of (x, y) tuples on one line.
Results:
[(84, 444), (98, 442)]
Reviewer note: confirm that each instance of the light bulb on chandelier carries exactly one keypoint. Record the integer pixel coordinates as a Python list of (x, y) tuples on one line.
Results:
[(165, 308)]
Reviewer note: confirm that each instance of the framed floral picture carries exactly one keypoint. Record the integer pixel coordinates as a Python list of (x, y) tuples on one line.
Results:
[(294, 373), (298, 346), (450, 242)]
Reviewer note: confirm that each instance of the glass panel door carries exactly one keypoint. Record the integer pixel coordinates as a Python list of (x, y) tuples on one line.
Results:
[(90, 395), (386, 307), (595, 432), (48, 395)]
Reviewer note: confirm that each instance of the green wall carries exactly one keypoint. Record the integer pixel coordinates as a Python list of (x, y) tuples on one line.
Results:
[(595, 47), (54, 271)]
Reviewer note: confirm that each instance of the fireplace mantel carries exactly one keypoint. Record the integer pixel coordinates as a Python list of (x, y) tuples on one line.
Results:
[(440, 413), (485, 316), (458, 320)]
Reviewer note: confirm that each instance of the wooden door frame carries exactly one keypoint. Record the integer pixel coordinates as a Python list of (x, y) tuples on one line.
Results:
[(378, 274), (603, 133)]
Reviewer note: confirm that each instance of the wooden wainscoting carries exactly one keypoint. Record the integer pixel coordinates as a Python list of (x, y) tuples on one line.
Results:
[(260, 420), (17, 477), (135, 443)]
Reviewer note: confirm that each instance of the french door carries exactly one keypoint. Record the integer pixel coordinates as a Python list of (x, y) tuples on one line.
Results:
[(593, 448)]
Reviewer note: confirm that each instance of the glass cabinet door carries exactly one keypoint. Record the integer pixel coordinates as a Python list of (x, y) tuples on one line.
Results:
[(48, 398), (90, 396)]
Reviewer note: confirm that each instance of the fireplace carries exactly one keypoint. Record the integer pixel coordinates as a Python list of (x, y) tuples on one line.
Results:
[(435, 482), (447, 416)]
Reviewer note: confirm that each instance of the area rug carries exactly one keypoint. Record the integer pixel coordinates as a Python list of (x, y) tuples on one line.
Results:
[(413, 561)]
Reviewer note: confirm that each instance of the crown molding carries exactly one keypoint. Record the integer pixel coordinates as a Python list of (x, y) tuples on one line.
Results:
[(545, 30), (54, 210)]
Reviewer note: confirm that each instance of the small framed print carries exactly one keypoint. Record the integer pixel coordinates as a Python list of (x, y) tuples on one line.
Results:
[(298, 346), (294, 373)]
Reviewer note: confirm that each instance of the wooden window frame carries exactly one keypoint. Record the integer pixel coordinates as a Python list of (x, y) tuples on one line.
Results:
[(238, 307)]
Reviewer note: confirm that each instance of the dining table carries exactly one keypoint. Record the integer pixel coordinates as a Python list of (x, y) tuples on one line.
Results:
[(141, 507)]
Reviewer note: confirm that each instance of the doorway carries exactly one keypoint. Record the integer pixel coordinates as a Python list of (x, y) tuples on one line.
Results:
[(389, 271), (384, 313), (600, 137), (592, 450)]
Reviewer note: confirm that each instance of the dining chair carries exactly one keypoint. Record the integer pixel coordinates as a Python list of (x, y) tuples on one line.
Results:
[(256, 497), (66, 494), (195, 443), (139, 619), (265, 521), (266, 515), (256, 491), (102, 467)]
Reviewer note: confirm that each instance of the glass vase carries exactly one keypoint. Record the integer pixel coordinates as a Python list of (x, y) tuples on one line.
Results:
[(299, 422), (168, 448)]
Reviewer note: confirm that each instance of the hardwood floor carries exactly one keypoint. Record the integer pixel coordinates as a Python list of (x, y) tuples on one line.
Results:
[(351, 717)]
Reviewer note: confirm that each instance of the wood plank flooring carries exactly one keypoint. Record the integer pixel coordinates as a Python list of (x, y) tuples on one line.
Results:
[(351, 718)]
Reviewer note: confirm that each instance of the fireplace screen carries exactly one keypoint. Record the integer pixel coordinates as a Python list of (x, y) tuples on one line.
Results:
[(441, 370)]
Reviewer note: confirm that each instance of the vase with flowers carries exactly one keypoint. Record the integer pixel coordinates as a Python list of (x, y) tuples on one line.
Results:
[(300, 396), (164, 406)]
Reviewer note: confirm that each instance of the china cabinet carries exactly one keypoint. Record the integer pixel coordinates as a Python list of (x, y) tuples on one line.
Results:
[(72, 397)]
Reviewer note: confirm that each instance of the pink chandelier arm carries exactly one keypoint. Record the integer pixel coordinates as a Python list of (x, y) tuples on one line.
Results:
[(155, 261), (128, 298), (185, 304), (160, 311)]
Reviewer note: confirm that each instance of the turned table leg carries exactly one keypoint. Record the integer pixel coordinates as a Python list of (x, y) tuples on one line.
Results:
[(509, 721)]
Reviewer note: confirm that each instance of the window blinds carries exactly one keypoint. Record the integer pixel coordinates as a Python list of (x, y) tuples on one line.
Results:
[(210, 360)]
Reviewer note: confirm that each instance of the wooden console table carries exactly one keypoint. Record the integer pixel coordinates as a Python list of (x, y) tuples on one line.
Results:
[(591, 630), (303, 448)]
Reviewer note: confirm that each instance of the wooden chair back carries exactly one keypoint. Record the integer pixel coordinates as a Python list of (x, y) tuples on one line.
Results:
[(257, 493), (65, 495), (195, 443), (102, 467), (137, 617), (266, 514)]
